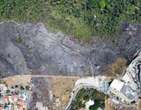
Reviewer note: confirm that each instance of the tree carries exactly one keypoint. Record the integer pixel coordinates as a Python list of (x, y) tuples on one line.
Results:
[(27, 87)]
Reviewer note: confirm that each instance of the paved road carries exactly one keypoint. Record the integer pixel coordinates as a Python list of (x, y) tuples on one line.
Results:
[(89, 82), (44, 76)]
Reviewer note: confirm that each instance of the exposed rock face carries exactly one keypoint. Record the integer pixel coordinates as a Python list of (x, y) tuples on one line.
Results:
[(29, 46), (130, 40), (11, 57), (32, 46)]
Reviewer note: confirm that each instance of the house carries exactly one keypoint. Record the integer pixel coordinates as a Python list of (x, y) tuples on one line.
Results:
[(3, 88)]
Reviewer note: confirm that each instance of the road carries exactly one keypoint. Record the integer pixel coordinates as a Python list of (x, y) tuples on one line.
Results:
[(89, 82)]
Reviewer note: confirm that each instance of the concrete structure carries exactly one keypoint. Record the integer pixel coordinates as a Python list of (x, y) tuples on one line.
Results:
[(125, 90), (120, 91), (133, 74), (100, 83)]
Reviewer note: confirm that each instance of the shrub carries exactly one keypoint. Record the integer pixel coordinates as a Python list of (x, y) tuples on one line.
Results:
[(19, 40), (27, 88), (117, 67)]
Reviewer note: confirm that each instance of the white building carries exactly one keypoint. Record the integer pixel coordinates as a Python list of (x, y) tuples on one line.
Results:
[(122, 92)]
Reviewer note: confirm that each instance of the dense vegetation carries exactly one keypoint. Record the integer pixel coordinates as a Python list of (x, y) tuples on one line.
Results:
[(81, 18), (85, 95)]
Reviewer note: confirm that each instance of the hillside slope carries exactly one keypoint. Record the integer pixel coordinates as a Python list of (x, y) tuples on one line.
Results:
[(25, 47)]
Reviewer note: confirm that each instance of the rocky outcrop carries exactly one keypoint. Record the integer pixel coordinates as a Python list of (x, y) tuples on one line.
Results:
[(129, 41), (11, 57), (29, 46), (25, 47)]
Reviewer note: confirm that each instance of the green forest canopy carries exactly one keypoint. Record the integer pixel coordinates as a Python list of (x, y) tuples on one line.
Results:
[(80, 18)]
